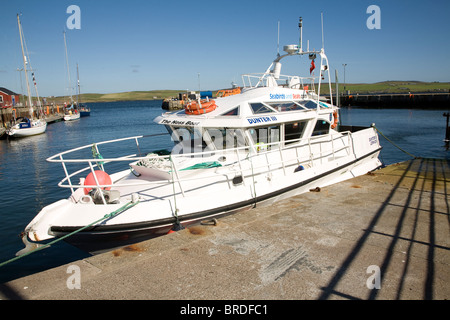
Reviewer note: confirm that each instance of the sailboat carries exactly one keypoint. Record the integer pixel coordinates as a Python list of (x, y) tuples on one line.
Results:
[(84, 110), (70, 112), (24, 127)]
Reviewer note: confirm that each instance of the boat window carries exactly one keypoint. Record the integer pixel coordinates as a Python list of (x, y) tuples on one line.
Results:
[(188, 140), (233, 112), (309, 104), (286, 106), (322, 127), (222, 138), (260, 108), (265, 138), (293, 131)]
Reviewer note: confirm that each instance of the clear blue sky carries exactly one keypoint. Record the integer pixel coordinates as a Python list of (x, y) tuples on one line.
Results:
[(148, 45)]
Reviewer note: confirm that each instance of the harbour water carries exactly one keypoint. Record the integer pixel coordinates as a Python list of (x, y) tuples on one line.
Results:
[(28, 182)]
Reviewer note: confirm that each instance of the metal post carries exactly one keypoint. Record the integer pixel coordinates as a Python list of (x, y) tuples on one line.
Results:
[(337, 88), (300, 25), (344, 64), (447, 131)]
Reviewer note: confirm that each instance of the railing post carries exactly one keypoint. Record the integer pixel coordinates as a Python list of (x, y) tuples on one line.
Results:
[(332, 146), (137, 144), (240, 165), (96, 182), (176, 174), (282, 160), (311, 156), (66, 172)]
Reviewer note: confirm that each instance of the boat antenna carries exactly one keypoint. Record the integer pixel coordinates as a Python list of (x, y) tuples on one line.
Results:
[(321, 20), (300, 25), (278, 39)]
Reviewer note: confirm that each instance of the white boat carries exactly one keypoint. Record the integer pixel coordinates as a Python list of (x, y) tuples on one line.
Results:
[(84, 110), (27, 127), (273, 140), (24, 127), (71, 113), (71, 116)]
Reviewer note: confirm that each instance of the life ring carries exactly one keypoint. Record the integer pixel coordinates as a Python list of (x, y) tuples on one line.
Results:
[(335, 120), (204, 104), (200, 108), (201, 111)]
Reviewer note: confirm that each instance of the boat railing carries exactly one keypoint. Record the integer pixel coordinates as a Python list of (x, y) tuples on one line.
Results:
[(267, 79), (250, 162)]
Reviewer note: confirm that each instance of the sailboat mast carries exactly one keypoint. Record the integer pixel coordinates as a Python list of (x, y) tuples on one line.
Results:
[(25, 66), (37, 93), (68, 71), (78, 84)]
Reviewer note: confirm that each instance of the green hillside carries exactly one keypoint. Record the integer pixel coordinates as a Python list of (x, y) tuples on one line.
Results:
[(122, 96), (392, 87), (361, 88)]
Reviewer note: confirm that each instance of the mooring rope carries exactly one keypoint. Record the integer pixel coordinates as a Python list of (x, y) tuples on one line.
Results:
[(97, 155), (107, 216), (378, 130)]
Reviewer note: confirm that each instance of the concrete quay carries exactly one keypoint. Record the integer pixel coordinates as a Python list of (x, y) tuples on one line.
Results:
[(398, 100), (384, 236), (51, 118)]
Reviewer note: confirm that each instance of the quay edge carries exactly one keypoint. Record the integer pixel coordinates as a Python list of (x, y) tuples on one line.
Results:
[(318, 245), (439, 101)]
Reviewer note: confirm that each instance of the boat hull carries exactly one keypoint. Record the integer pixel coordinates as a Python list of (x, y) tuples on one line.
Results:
[(71, 117), (26, 132), (103, 237)]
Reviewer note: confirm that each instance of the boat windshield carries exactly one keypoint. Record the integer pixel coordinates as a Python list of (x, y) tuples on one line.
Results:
[(293, 131), (322, 127), (265, 138), (187, 140), (197, 139), (284, 106), (224, 138)]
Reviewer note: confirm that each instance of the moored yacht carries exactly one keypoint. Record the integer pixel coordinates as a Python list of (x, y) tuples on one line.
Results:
[(24, 127), (272, 139), (27, 127), (71, 113)]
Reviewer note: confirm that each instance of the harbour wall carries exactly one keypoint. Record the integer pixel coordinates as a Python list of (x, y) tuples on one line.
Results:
[(398, 100), (7, 114), (375, 100)]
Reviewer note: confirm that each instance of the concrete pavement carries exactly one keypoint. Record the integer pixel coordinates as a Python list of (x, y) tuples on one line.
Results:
[(383, 235)]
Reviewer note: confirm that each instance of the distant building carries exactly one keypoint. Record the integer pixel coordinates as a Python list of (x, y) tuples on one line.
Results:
[(8, 98)]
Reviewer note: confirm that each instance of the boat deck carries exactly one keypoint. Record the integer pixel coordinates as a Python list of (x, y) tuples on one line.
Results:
[(318, 245)]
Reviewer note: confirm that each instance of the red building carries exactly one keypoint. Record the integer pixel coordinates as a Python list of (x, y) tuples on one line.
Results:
[(8, 98)]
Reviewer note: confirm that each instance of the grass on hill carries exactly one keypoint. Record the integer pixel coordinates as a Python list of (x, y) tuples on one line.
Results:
[(392, 87), (121, 96), (361, 88)]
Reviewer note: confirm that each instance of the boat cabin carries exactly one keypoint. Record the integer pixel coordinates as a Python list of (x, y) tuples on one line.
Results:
[(270, 111), (260, 118)]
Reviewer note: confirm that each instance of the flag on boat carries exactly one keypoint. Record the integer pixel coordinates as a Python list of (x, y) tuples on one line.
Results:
[(313, 66)]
